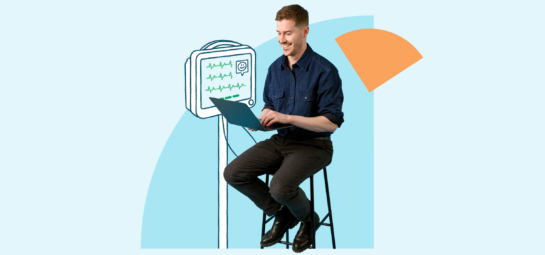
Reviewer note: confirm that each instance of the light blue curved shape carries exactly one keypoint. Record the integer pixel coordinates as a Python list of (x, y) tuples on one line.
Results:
[(181, 208)]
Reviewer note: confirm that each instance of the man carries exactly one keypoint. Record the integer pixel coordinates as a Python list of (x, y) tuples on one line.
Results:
[(302, 88)]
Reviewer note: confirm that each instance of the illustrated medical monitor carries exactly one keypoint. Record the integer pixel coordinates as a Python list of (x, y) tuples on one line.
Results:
[(227, 73), (227, 77)]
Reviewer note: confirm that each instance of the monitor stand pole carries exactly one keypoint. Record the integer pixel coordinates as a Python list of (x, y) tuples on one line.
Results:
[(222, 213)]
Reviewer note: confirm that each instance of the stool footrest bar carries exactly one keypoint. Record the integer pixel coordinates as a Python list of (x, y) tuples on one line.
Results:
[(325, 218)]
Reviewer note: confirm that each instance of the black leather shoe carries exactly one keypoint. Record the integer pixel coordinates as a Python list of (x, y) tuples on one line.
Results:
[(301, 241), (283, 220)]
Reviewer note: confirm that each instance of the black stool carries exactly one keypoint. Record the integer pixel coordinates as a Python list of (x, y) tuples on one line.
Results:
[(313, 235)]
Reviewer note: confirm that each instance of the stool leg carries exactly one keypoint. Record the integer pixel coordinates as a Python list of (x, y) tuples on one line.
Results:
[(329, 208), (264, 215), (287, 238), (313, 233)]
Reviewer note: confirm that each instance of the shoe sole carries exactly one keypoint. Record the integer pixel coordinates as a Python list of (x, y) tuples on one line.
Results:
[(301, 250), (281, 236)]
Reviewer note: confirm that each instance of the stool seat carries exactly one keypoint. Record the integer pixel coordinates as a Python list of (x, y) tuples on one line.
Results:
[(322, 223)]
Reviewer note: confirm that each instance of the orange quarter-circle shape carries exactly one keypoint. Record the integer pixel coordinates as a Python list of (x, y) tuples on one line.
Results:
[(377, 55)]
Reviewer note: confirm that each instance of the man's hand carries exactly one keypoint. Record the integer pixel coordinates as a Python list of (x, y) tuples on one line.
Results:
[(261, 116), (275, 117), (316, 124)]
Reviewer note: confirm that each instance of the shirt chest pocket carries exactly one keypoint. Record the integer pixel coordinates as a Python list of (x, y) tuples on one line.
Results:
[(306, 95), (306, 103), (276, 94), (277, 97)]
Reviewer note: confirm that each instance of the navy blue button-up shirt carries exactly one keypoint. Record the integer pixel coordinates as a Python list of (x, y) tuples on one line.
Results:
[(312, 89)]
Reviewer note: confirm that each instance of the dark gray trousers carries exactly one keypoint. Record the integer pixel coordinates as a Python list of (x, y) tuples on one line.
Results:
[(290, 161)]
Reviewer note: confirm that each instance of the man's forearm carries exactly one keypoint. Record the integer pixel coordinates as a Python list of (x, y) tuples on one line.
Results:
[(316, 124)]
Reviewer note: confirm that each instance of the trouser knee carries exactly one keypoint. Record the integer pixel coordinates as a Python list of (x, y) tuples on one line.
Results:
[(229, 174), (281, 193)]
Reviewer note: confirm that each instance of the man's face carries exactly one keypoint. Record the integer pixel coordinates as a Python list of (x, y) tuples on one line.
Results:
[(291, 37)]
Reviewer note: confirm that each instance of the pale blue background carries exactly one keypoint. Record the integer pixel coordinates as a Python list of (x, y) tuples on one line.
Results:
[(90, 91)]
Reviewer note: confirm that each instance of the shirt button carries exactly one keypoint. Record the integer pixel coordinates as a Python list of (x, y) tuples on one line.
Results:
[(305, 97)]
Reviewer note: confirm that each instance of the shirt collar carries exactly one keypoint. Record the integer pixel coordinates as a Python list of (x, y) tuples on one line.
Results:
[(303, 62)]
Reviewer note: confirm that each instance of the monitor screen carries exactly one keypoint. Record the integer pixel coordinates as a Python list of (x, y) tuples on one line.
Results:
[(227, 77)]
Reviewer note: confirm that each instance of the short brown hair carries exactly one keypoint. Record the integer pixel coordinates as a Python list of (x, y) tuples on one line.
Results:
[(294, 12)]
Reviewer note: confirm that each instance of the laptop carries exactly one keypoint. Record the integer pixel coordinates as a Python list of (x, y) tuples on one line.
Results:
[(240, 114)]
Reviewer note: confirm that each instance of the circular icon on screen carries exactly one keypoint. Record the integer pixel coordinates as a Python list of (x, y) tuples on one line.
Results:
[(242, 66)]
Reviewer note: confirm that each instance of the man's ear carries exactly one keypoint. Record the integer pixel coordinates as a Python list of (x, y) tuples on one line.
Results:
[(306, 30)]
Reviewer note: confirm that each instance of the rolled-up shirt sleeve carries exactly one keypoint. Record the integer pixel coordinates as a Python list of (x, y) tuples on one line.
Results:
[(268, 102), (330, 97)]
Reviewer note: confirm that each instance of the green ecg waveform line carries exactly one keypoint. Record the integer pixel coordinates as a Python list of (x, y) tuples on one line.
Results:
[(211, 78), (221, 64), (221, 88)]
